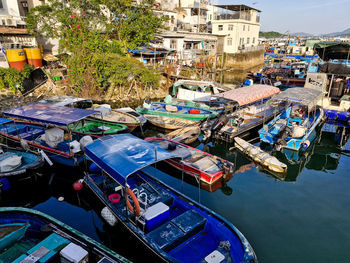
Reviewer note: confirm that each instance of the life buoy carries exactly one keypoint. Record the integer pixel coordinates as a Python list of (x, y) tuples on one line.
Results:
[(114, 198), (133, 210)]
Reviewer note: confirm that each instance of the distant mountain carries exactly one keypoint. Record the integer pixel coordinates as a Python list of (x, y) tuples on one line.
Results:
[(270, 34), (342, 33), (301, 34)]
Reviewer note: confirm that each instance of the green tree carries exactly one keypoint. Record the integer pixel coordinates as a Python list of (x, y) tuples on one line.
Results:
[(89, 28)]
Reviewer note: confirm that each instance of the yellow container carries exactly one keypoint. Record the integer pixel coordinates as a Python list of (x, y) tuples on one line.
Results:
[(16, 58), (34, 57)]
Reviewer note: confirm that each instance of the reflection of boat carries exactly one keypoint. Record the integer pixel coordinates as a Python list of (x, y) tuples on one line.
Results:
[(31, 236), (295, 127), (166, 222), (177, 111), (195, 162)]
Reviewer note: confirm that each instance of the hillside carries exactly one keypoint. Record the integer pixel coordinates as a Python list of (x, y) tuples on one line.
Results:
[(271, 34)]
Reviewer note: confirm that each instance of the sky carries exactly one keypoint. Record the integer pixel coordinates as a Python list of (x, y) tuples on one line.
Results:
[(309, 16)]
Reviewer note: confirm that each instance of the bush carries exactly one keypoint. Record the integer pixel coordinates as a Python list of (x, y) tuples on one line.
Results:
[(123, 71), (12, 79)]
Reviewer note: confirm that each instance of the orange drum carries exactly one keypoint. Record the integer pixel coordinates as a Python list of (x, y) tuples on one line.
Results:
[(16, 58), (34, 57)]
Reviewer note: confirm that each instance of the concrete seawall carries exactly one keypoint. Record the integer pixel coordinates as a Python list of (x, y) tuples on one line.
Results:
[(243, 61)]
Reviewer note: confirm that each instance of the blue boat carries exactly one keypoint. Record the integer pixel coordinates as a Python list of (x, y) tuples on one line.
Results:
[(295, 127), (47, 129), (15, 162), (172, 226), (27, 235)]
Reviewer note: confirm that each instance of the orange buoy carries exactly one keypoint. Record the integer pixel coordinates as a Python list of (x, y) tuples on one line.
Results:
[(34, 57), (16, 58)]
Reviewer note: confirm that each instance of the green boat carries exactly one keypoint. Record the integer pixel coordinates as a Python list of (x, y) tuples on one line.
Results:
[(98, 127), (177, 111), (27, 235)]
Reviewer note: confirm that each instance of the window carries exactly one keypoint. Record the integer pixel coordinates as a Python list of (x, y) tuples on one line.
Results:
[(229, 41), (230, 27), (1, 6), (220, 27), (248, 39), (241, 41), (25, 7), (210, 17), (253, 41), (173, 44), (243, 27)]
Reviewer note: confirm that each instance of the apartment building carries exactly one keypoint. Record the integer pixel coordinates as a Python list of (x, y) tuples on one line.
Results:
[(240, 26)]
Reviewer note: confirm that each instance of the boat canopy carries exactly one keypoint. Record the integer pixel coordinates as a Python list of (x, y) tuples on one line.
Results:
[(250, 94), (123, 154), (304, 96), (4, 121), (48, 113), (62, 100)]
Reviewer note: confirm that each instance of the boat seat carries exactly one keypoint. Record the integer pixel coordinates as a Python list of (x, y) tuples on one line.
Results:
[(171, 234), (167, 236), (190, 222), (48, 249), (182, 111)]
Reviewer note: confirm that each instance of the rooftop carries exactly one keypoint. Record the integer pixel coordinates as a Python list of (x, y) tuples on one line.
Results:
[(237, 7)]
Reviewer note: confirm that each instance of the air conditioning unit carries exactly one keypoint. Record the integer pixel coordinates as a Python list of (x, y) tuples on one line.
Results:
[(10, 22)]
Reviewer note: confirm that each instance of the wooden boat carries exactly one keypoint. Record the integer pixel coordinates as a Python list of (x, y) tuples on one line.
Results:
[(15, 162), (47, 133), (169, 123), (28, 235), (194, 162), (177, 111), (295, 127), (98, 127), (164, 221), (114, 116), (185, 135), (132, 112), (267, 161)]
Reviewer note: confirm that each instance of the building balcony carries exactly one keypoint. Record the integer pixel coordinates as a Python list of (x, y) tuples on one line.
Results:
[(236, 16)]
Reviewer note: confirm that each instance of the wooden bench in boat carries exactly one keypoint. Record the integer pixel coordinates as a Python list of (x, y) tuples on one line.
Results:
[(178, 230)]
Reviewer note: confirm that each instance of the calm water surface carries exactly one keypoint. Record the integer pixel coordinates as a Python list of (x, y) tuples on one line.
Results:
[(303, 217)]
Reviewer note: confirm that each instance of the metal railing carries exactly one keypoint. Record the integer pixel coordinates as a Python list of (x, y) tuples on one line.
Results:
[(244, 49)]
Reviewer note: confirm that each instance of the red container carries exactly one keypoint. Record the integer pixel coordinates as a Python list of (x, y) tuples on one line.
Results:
[(194, 111)]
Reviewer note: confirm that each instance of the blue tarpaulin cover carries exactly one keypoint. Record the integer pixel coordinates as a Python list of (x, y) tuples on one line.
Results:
[(3, 120), (57, 115), (123, 154)]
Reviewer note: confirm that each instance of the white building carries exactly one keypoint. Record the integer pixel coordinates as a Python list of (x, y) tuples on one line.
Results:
[(240, 26)]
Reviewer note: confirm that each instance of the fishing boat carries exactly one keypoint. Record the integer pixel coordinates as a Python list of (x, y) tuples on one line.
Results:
[(195, 162), (46, 129), (252, 112), (114, 116), (266, 160), (133, 112), (295, 127), (169, 123), (185, 135), (27, 235), (98, 127), (170, 225), (113, 121), (15, 162), (176, 111)]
